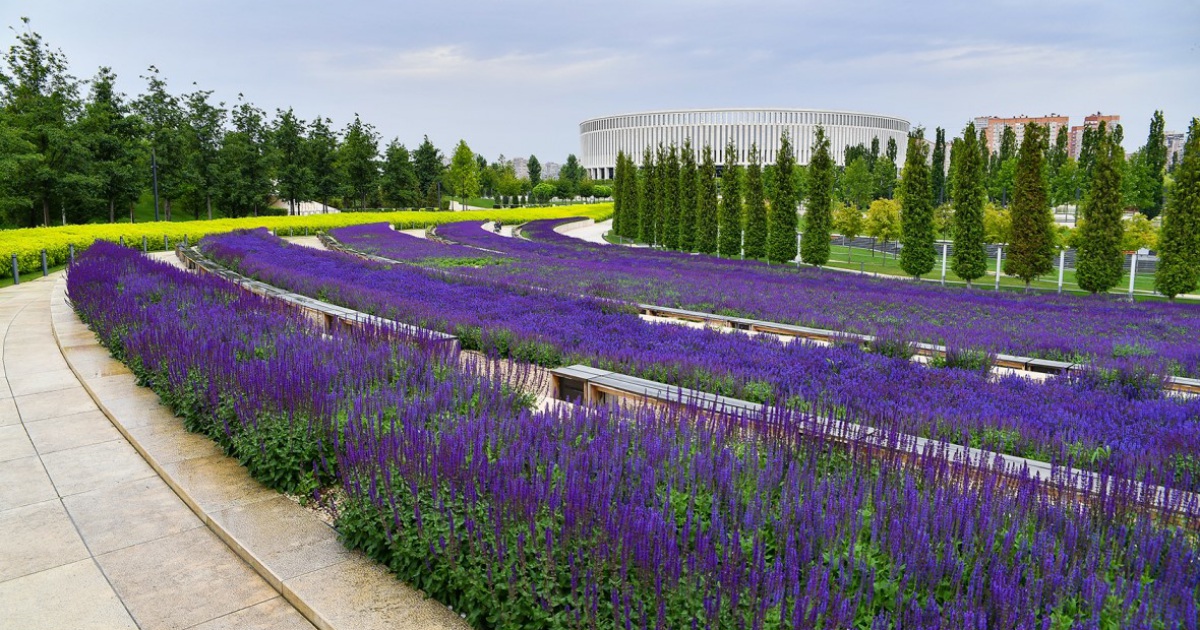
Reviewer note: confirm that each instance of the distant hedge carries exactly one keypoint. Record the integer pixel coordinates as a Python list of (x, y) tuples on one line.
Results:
[(28, 243)]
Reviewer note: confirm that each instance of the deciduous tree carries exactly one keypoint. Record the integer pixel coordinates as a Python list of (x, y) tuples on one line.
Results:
[(463, 175), (398, 178)]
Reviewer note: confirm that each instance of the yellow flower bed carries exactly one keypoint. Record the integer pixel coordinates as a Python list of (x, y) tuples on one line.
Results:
[(28, 243)]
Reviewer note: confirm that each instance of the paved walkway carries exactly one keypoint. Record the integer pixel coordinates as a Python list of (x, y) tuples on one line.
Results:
[(591, 232), (90, 536)]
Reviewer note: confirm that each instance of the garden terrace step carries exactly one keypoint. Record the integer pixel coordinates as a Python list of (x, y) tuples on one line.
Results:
[(581, 384), (330, 315)]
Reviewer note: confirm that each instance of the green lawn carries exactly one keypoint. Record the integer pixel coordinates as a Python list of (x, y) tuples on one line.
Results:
[(475, 202)]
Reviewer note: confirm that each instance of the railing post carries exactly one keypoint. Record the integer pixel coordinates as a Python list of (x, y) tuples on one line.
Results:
[(166, 246), (945, 248), (71, 247), (16, 270), (1132, 274), (1062, 264), (145, 245), (999, 254), (45, 272), (121, 239)]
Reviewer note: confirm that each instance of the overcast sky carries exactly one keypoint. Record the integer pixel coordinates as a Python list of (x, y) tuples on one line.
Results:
[(517, 77)]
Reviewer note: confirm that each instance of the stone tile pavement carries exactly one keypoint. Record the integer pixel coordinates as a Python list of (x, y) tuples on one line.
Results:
[(113, 516)]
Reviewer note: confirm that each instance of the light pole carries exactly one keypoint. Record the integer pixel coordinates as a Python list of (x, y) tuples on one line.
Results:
[(154, 176)]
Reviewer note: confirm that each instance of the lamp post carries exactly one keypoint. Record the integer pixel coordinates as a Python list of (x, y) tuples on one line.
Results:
[(154, 176)]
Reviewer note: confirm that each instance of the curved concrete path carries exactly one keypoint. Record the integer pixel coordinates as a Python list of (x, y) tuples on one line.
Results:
[(114, 516), (591, 232)]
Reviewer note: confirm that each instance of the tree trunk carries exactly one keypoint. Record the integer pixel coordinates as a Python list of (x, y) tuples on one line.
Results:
[(112, 211), (208, 202), (167, 205), (46, 212), (132, 218)]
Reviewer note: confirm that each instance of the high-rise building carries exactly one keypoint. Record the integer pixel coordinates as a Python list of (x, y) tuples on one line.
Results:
[(1075, 145), (1175, 142), (520, 167), (993, 127)]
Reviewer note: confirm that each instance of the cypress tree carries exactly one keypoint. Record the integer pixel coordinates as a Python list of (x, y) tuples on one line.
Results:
[(1179, 251), (937, 173), (645, 232), (916, 210), (1031, 252), (729, 235), (756, 209), (687, 197), (1155, 163), (634, 192), (970, 256), (1098, 266), (818, 212), (618, 192), (706, 205), (660, 195), (671, 208), (781, 223)]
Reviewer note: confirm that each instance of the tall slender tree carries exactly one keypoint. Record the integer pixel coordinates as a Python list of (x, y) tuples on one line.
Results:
[(398, 177), (671, 210), (1154, 165), (755, 243), (164, 121), (1031, 251), (884, 172), (660, 195), (937, 171), (706, 204), (535, 171), (1098, 264), (619, 199), (729, 223), (818, 212), (113, 135), (204, 129), (321, 149), (1179, 253), (970, 256), (648, 195), (781, 223), (357, 160), (245, 175), (427, 160), (917, 254), (687, 197), (463, 174), (293, 179)]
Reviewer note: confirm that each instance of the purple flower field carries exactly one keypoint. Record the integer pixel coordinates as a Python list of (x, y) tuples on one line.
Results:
[(1100, 329), (583, 518), (1091, 420)]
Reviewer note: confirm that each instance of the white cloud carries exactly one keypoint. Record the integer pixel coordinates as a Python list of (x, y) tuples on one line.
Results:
[(448, 63)]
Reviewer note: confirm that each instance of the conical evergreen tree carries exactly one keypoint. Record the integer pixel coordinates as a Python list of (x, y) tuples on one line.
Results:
[(687, 197), (1155, 163), (937, 171), (970, 255), (647, 195), (729, 236), (706, 204), (756, 209), (634, 192), (1098, 265), (671, 211), (781, 225), (1031, 252), (618, 192), (917, 254), (660, 196), (1179, 250), (818, 211)]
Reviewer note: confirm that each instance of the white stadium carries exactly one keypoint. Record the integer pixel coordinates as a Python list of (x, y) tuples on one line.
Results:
[(602, 138)]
